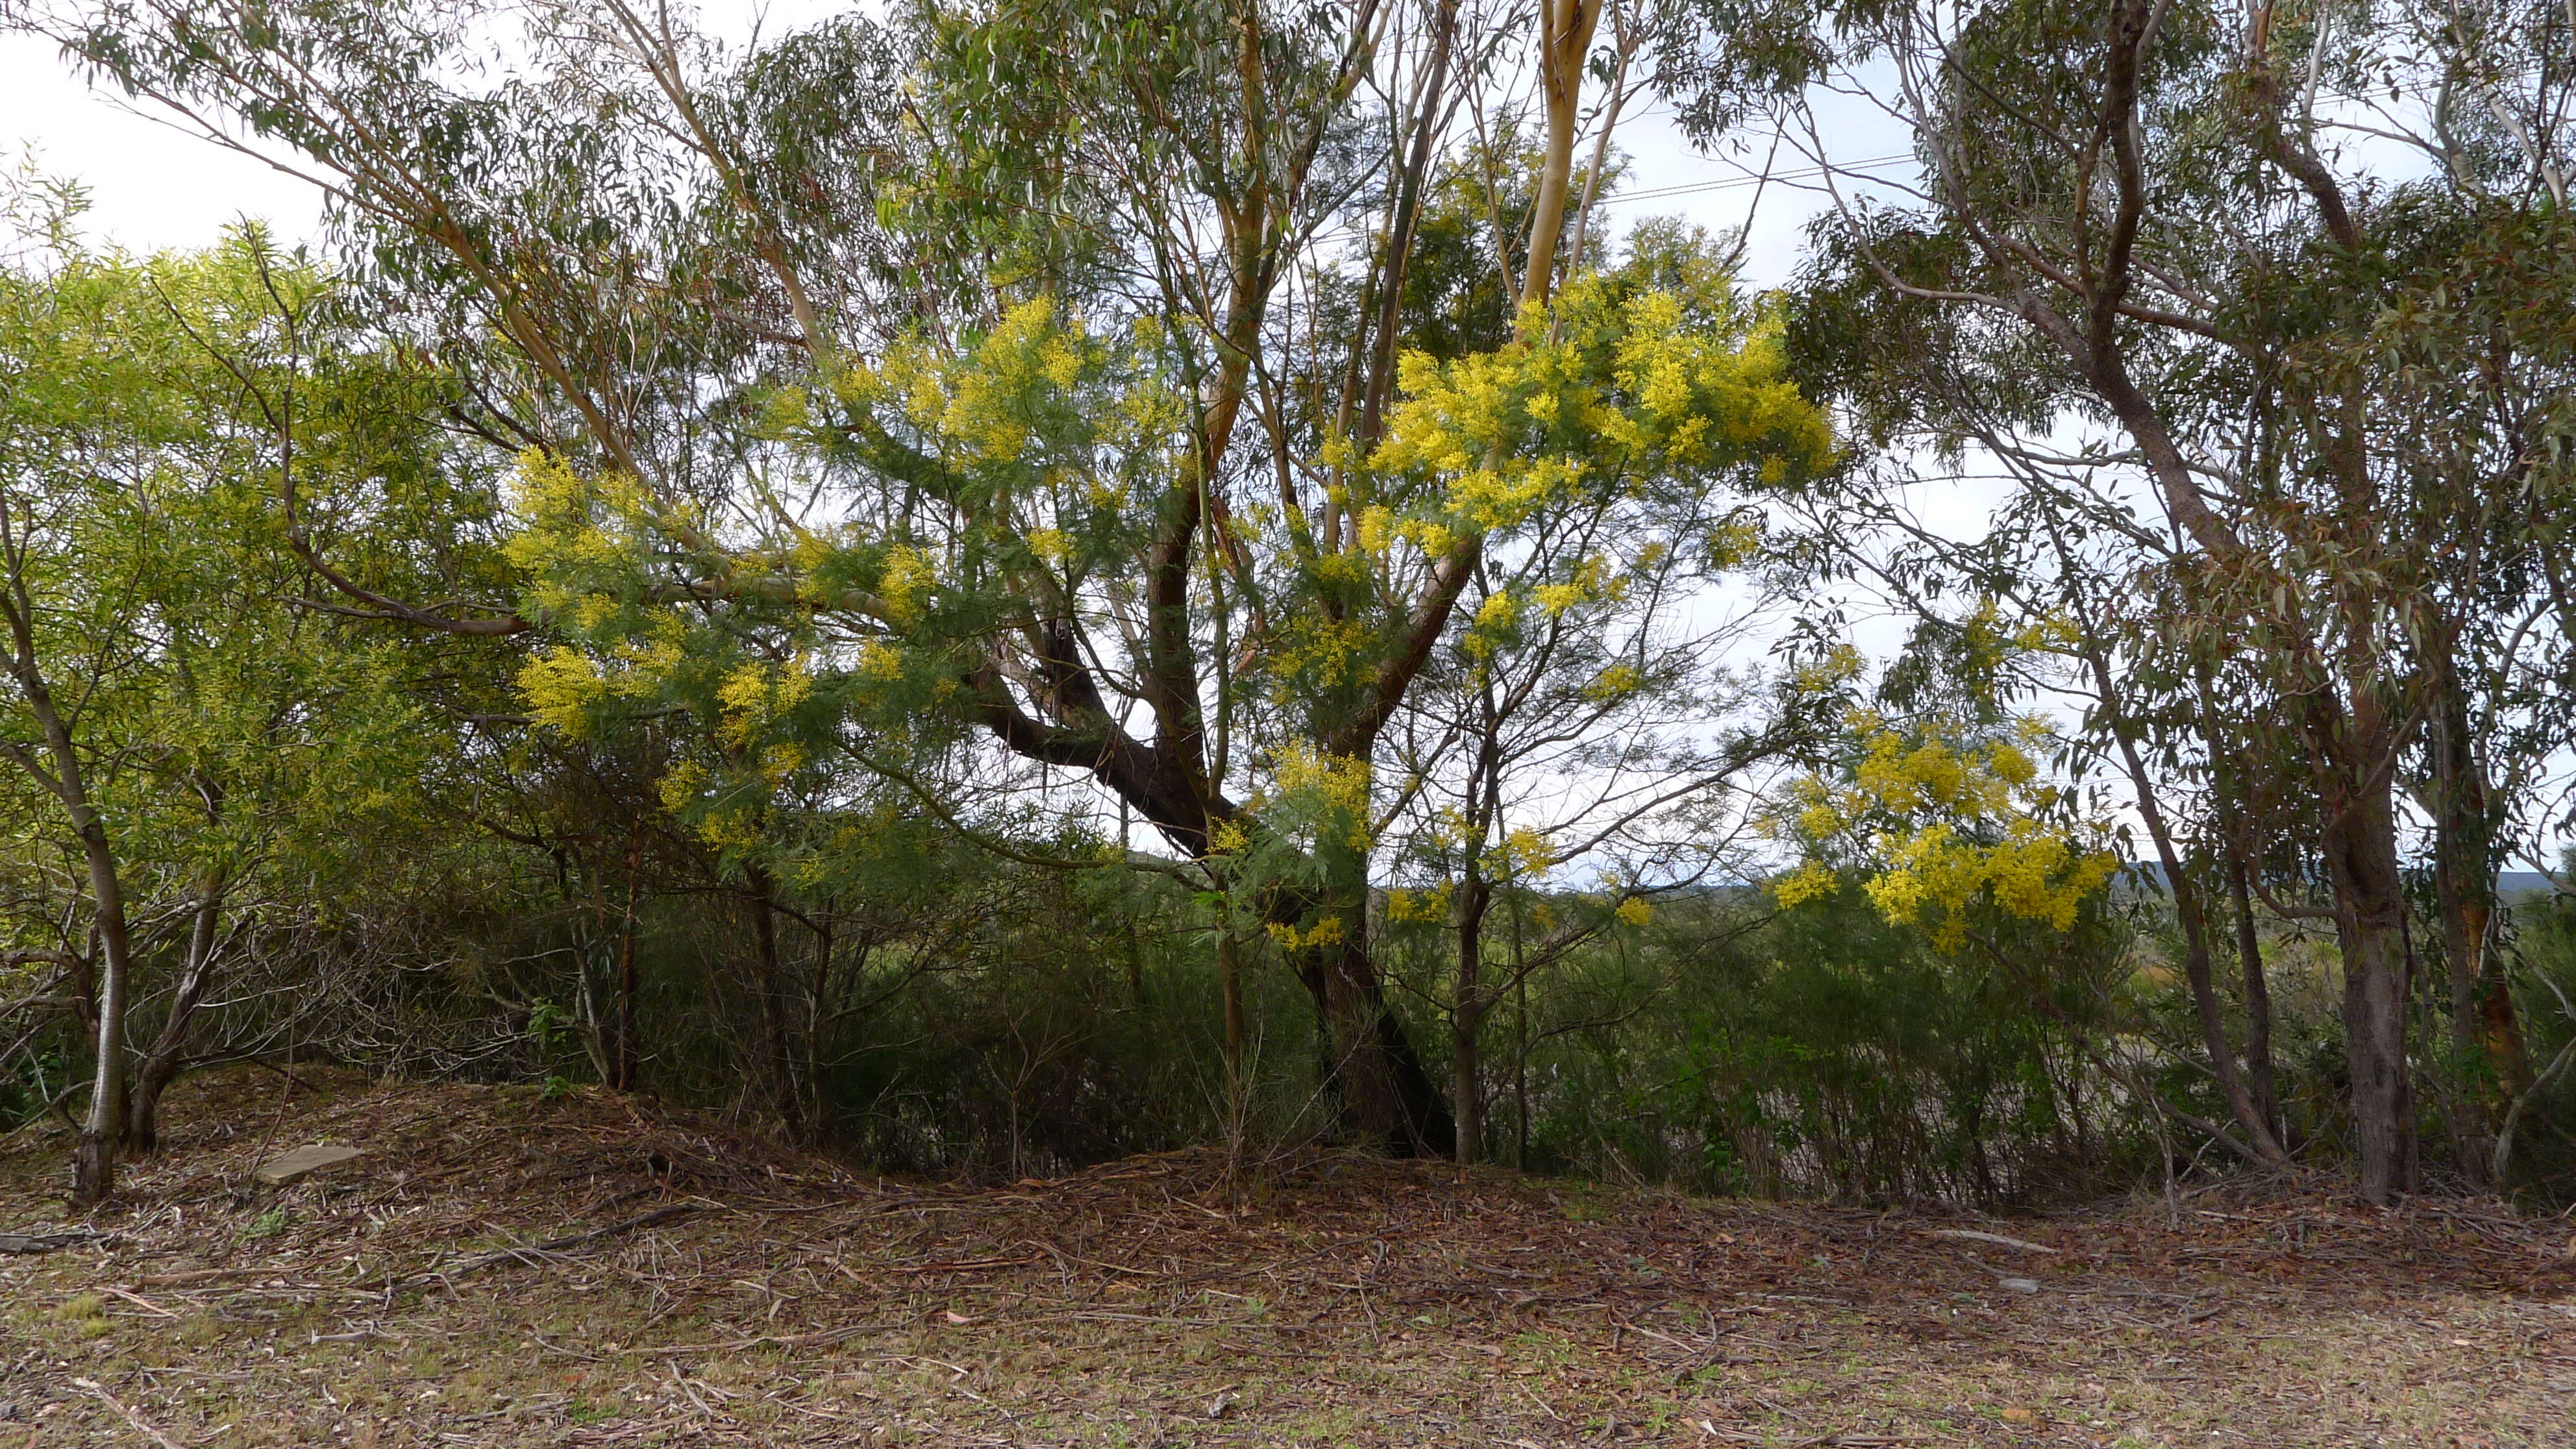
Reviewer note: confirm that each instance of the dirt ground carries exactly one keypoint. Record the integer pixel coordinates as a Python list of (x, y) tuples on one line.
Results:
[(504, 1270)]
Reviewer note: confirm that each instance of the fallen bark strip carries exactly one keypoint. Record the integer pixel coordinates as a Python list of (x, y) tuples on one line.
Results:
[(1809, 1441), (1998, 1239), (962, 1266), (206, 1275), (31, 1243)]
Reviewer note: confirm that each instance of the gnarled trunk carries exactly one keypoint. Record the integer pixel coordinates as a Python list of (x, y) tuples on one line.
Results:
[(1384, 1095), (160, 1065)]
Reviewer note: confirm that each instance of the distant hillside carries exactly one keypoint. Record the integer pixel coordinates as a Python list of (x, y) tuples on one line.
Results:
[(2513, 885)]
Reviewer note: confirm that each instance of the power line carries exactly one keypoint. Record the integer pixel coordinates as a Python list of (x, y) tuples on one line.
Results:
[(1732, 182)]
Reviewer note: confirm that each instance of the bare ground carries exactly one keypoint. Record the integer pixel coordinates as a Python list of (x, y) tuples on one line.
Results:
[(504, 1270)]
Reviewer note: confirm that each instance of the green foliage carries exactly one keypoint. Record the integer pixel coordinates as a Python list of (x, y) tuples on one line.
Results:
[(1826, 1051), (679, 608)]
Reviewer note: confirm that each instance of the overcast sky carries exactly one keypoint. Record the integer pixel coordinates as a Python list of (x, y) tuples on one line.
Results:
[(154, 187)]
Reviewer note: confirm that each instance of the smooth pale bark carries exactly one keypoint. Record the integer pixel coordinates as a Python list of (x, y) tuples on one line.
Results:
[(1565, 42), (64, 775), (94, 1157)]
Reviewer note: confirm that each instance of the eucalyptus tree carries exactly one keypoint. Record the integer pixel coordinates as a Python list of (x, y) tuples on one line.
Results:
[(2160, 271), (1014, 374)]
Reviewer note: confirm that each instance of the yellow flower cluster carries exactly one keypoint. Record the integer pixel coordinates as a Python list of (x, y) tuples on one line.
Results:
[(756, 692), (905, 583), (1431, 904), (1948, 826), (1617, 390), (1614, 682), (1326, 932), (1333, 789), (1527, 852), (573, 532), (984, 404), (561, 685), (1317, 651)]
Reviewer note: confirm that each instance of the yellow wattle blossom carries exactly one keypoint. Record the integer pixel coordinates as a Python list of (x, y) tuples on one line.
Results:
[(560, 685), (1377, 529), (1950, 828), (1334, 788), (756, 692), (1423, 905), (734, 827), (1318, 651), (1617, 391), (1527, 852), (1810, 881), (879, 661), (1635, 911), (1589, 579), (1326, 932), (904, 582), (1733, 542), (1841, 665), (1053, 545), (574, 531), (1494, 618), (1614, 682), (682, 785)]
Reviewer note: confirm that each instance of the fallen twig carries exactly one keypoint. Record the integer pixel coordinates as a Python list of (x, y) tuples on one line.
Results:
[(139, 1301), (557, 1245), (141, 1425), (824, 1338)]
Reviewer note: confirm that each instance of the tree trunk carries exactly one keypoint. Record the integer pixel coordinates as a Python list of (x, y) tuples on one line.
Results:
[(160, 1065), (1387, 1098), (2191, 911), (2485, 1036), (770, 988), (627, 1051), (1229, 979), (2258, 1000), (1565, 43), (1468, 1015), (2360, 848), (94, 1157)]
